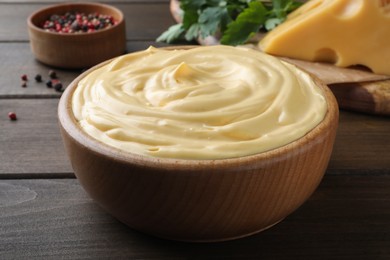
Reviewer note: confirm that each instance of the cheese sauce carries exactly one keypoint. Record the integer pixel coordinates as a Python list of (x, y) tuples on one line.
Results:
[(204, 103)]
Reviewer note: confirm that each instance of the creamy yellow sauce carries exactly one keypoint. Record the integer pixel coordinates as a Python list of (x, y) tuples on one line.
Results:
[(204, 103)]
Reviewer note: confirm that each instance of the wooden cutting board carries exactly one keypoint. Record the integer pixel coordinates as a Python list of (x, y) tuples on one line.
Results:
[(355, 89)]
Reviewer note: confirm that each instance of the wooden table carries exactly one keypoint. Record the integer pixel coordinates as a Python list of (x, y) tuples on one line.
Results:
[(44, 212)]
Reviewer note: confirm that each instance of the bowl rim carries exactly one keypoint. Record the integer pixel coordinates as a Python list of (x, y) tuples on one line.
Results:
[(36, 13), (69, 124)]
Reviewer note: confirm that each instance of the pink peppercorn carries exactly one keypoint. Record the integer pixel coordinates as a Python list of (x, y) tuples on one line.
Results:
[(12, 116), (75, 22)]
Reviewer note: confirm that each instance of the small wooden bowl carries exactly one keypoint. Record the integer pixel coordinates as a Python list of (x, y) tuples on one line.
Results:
[(199, 200), (75, 51)]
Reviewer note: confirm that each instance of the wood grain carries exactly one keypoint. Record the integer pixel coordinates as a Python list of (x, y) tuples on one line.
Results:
[(17, 59), (365, 97), (32, 145), (346, 218), (355, 89), (362, 145), (219, 199), (73, 50), (144, 21)]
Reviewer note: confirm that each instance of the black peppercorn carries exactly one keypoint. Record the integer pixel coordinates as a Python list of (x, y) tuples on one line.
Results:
[(52, 74), (49, 83), (58, 86), (38, 78)]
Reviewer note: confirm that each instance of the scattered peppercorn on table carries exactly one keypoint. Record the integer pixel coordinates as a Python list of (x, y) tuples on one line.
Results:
[(45, 214)]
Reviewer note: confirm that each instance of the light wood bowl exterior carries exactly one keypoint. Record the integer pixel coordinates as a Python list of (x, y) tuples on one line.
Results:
[(75, 51), (199, 200)]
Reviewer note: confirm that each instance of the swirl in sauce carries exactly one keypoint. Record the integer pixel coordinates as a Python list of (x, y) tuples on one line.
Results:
[(204, 103)]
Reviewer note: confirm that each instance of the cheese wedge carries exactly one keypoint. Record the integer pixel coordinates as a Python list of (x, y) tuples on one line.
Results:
[(342, 32)]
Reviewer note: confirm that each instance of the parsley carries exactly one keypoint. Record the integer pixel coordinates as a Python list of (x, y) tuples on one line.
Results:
[(247, 23), (234, 20)]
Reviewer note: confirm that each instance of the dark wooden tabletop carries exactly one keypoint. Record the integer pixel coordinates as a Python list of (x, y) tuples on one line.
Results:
[(45, 214)]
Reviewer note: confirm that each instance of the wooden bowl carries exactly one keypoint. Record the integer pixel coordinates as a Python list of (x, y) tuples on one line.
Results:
[(199, 200), (81, 50)]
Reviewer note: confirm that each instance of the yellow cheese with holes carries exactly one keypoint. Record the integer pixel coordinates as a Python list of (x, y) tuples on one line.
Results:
[(343, 32)]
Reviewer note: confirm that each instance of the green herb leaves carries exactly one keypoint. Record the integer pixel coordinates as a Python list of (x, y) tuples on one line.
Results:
[(235, 21), (279, 12), (247, 23)]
